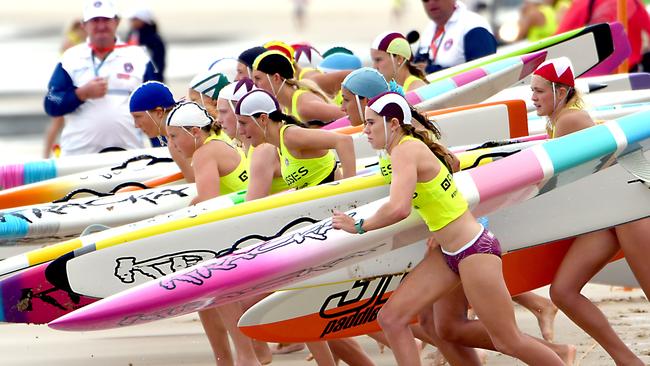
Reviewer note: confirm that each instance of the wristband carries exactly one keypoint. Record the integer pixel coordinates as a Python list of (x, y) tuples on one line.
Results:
[(359, 226)]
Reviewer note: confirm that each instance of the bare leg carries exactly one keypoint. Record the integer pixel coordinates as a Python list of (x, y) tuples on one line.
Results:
[(543, 309), (454, 353), (230, 313), (262, 349), (587, 255), (634, 239), (321, 353), (486, 290), (416, 292), (349, 351), (217, 336), (453, 325), (51, 134)]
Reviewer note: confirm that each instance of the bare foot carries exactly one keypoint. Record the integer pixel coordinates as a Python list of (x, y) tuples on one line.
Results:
[(438, 359), (284, 348), (567, 354), (546, 320), (263, 352)]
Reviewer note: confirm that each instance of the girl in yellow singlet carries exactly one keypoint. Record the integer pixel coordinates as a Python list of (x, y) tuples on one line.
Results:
[(219, 168), (303, 156), (391, 55), (554, 97), (226, 102), (273, 71), (467, 251)]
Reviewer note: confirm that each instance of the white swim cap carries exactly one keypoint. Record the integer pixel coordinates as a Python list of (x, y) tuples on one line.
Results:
[(188, 114)]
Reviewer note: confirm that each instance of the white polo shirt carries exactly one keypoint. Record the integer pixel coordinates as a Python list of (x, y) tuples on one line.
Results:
[(103, 122), (451, 49)]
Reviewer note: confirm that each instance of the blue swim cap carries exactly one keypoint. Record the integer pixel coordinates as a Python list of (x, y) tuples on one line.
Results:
[(151, 95), (365, 82), (339, 61)]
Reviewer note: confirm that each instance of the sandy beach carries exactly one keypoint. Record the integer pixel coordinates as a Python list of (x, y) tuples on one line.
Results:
[(199, 32), (181, 341)]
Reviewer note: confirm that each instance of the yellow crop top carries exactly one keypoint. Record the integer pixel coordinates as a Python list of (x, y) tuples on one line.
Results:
[(438, 201), (236, 180), (301, 173)]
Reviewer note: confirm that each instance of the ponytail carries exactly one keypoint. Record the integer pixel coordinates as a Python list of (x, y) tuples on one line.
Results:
[(213, 127), (311, 86), (416, 71), (430, 136), (573, 97)]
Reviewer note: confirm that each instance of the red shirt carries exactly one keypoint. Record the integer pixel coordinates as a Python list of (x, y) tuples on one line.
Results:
[(605, 11)]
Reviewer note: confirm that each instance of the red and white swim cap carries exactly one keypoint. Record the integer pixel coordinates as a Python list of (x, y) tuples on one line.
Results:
[(558, 70)]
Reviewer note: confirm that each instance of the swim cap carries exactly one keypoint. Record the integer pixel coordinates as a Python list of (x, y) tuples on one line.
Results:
[(226, 66), (338, 62), (286, 49), (337, 49), (558, 70), (209, 83), (391, 105), (393, 43), (365, 82), (234, 91), (151, 95), (272, 62), (257, 101), (306, 55), (188, 114), (248, 57)]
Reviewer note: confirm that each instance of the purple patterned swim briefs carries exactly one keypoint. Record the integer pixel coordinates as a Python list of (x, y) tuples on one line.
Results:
[(486, 243)]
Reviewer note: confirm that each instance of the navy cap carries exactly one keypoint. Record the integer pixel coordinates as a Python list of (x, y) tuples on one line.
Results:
[(248, 57), (151, 95)]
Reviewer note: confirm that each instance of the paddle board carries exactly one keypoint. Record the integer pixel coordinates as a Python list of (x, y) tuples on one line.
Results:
[(110, 264), (58, 220), (585, 47), (591, 85), (537, 124), (466, 125), (268, 266), (19, 173), (103, 180), (138, 270), (476, 85)]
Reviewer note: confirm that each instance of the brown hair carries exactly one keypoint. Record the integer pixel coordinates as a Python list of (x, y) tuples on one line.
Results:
[(429, 137)]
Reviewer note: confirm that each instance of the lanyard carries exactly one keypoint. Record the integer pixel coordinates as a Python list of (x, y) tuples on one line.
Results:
[(439, 36), (96, 67)]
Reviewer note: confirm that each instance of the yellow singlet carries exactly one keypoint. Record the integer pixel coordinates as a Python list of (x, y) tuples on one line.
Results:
[(438, 201), (236, 180)]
